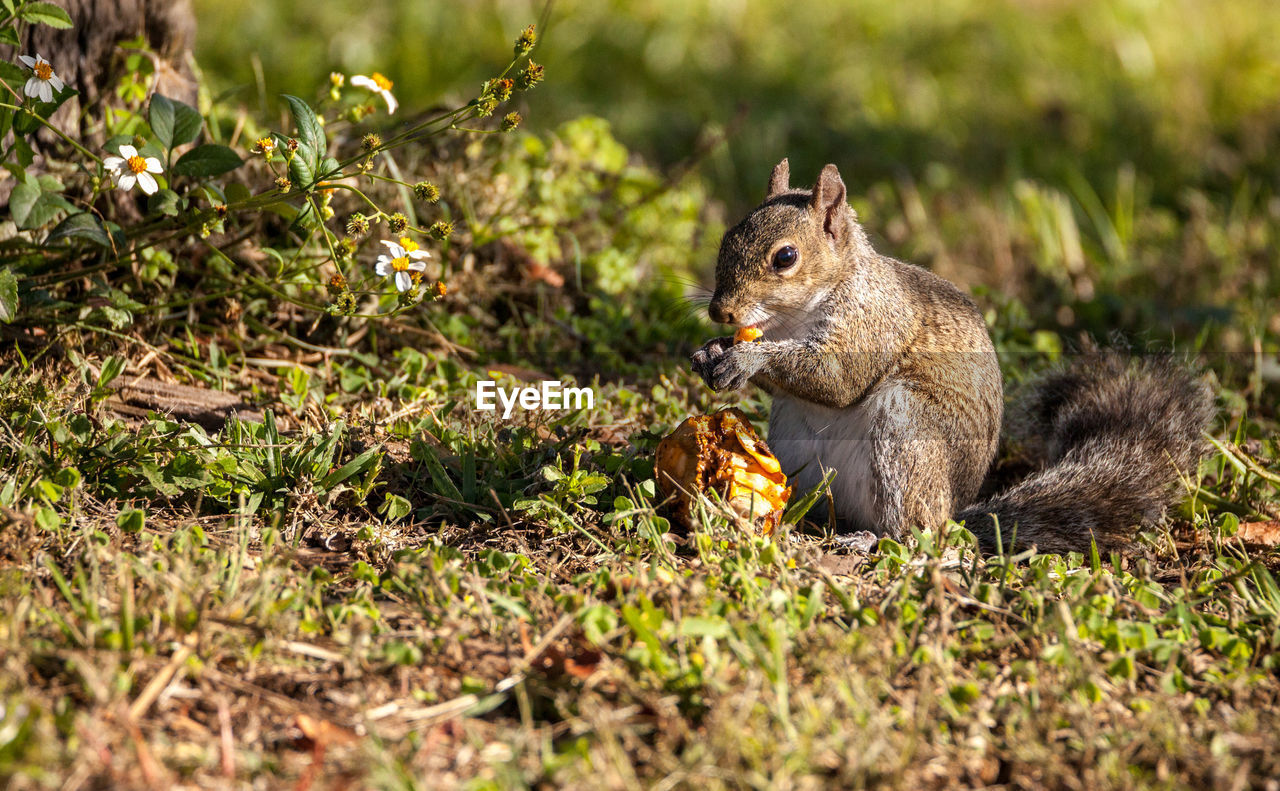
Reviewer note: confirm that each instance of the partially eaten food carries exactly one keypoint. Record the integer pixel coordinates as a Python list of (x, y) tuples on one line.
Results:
[(747, 335), (721, 453)]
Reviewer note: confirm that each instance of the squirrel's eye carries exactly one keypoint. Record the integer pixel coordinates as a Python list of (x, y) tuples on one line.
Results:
[(786, 257)]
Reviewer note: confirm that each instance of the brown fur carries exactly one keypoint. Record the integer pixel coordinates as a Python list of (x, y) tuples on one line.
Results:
[(886, 373), (1114, 436)]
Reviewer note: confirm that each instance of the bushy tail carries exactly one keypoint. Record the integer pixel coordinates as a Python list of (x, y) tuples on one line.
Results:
[(1115, 434)]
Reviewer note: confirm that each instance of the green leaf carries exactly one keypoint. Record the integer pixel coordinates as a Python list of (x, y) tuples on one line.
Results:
[(305, 219), (22, 150), (14, 74), (186, 123), (9, 36), (796, 511), (704, 626), (439, 478), (46, 209), (47, 519), (68, 478), (8, 295), (111, 368), (396, 508), (116, 233), (284, 210), (252, 505), (329, 168), (310, 132), (174, 123), (271, 435), (356, 466), (207, 160), (131, 520), (163, 202), (24, 196), (300, 171), (32, 207), (237, 192), (82, 225), (212, 193), (160, 116), (45, 14), (27, 120)]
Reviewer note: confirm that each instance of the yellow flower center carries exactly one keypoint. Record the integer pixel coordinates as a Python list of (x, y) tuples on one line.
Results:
[(408, 244), (382, 82), (400, 264), (137, 164), (43, 70), (266, 144)]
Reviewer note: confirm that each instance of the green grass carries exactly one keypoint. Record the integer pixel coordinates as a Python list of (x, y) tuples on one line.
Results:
[(357, 580), (1105, 162), (994, 89), (525, 616)]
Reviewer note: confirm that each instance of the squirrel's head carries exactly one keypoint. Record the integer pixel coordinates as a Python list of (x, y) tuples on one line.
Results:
[(787, 253)]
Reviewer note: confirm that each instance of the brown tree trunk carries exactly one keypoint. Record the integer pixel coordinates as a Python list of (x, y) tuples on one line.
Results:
[(87, 57)]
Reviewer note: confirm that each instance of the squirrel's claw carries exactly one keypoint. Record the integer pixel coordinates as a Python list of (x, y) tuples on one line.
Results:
[(705, 359), (735, 367)]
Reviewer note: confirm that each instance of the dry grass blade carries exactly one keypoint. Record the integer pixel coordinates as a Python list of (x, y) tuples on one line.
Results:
[(159, 682)]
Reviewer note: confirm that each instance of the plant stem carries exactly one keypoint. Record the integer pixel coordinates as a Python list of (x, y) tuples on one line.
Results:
[(22, 108)]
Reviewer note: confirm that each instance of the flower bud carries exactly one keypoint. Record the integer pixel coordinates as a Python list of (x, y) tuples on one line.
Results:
[(530, 76), (528, 37), (426, 191), (357, 224)]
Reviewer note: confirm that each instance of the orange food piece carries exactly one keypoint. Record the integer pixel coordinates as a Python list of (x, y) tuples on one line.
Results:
[(721, 453), (747, 335)]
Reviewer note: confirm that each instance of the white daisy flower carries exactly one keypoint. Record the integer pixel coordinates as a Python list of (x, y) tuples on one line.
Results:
[(129, 168), (379, 85), (43, 83), (400, 259)]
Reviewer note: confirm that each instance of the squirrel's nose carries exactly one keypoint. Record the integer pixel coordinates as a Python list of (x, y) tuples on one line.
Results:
[(719, 314)]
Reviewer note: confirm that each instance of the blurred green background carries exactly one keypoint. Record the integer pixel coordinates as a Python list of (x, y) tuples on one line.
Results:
[(1186, 90), (1113, 158)]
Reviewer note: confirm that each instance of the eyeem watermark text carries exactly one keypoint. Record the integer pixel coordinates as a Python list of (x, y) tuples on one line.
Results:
[(547, 395)]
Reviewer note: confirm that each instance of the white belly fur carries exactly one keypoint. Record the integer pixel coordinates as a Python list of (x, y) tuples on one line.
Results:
[(819, 438)]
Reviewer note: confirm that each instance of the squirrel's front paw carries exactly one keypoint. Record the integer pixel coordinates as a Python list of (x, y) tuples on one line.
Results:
[(706, 358), (735, 367)]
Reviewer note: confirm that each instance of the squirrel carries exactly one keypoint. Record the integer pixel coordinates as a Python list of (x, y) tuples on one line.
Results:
[(885, 372)]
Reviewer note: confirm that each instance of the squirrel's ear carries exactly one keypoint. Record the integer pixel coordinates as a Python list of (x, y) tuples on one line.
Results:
[(830, 204), (780, 180)]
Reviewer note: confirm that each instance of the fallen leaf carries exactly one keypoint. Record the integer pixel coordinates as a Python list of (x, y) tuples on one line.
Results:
[(584, 664), (1264, 533), (555, 661), (319, 731), (537, 271), (841, 565)]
